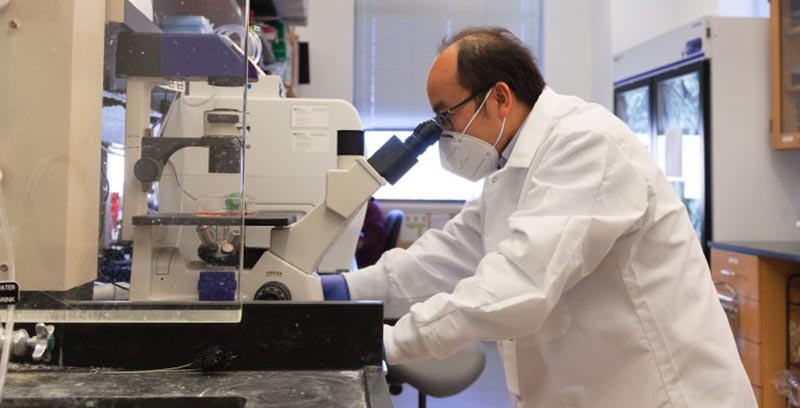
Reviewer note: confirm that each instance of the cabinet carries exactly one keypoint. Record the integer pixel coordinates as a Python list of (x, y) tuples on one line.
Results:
[(757, 286), (785, 50)]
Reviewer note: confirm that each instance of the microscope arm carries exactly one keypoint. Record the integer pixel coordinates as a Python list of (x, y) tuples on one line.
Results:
[(304, 243), (223, 156)]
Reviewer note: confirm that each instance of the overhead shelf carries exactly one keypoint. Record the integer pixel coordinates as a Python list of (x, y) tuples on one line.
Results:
[(290, 12), (219, 12)]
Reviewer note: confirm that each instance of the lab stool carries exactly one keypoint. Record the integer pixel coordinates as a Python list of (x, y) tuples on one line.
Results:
[(439, 378)]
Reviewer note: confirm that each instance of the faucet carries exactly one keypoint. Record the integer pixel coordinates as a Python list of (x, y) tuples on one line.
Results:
[(42, 343)]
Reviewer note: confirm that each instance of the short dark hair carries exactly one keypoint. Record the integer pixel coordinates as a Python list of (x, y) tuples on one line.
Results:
[(493, 54)]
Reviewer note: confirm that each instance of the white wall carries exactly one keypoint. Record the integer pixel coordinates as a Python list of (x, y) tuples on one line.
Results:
[(577, 48), (579, 39), (602, 56), (329, 33), (743, 8), (636, 21)]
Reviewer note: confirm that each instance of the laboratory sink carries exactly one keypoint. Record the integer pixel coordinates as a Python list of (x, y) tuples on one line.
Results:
[(155, 402)]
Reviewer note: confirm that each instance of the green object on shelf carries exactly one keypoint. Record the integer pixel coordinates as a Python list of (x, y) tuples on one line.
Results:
[(279, 49), (280, 28), (233, 202)]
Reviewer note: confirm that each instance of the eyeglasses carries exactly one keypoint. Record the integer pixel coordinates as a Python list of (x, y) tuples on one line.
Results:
[(443, 118)]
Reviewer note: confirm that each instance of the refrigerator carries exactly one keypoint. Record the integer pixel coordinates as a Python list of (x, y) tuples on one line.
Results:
[(697, 97)]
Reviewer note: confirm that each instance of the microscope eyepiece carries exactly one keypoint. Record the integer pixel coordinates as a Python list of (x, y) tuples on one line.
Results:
[(395, 158)]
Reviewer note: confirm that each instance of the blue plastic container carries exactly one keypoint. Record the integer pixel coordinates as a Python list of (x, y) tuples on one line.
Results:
[(186, 24), (217, 286)]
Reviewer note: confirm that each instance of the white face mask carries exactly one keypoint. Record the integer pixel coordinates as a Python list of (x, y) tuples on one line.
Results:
[(467, 156)]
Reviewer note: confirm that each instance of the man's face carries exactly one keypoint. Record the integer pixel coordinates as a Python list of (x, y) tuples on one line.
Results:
[(444, 92)]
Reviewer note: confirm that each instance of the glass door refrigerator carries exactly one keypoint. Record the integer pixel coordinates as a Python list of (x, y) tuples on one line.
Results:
[(667, 112), (698, 99)]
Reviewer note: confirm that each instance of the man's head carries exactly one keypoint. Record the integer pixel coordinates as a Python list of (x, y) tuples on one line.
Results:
[(474, 62)]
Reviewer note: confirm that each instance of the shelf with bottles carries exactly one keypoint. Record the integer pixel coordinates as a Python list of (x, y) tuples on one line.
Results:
[(793, 31), (785, 49), (793, 80), (277, 19), (791, 15), (279, 49), (791, 12), (788, 122)]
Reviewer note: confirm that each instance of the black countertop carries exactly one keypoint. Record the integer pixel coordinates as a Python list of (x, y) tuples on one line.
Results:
[(281, 354), (249, 389), (787, 250)]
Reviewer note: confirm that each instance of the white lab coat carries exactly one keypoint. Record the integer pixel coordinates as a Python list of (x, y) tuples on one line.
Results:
[(579, 260)]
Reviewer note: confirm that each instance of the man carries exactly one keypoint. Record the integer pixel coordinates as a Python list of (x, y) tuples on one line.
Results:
[(578, 259)]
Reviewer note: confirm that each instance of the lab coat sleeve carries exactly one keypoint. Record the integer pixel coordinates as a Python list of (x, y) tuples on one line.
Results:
[(585, 195), (434, 263)]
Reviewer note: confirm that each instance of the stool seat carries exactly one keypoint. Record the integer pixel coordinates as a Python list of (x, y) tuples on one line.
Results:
[(442, 378)]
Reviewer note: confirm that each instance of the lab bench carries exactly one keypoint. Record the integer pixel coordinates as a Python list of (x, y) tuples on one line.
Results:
[(753, 280), (246, 389), (281, 354)]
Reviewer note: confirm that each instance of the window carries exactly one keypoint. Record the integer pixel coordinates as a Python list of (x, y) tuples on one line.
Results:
[(427, 180), (395, 44)]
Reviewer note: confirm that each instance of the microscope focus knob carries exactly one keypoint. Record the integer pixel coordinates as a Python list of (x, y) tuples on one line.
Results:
[(227, 248), (273, 291), (147, 170)]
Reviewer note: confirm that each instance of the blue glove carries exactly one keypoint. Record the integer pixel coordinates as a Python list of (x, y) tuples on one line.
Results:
[(334, 287)]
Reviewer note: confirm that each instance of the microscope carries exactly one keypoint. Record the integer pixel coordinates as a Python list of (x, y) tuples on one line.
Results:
[(269, 241)]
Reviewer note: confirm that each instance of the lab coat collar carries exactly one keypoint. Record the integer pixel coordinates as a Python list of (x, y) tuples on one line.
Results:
[(539, 122)]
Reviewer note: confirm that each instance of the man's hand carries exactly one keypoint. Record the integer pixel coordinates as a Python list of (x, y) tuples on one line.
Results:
[(334, 287)]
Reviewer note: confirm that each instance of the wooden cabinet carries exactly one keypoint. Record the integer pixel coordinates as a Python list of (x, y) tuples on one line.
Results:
[(750, 353), (757, 391), (759, 322), (738, 270), (785, 51), (749, 320)]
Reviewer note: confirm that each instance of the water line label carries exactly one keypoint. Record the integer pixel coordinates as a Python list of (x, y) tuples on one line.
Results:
[(9, 293)]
